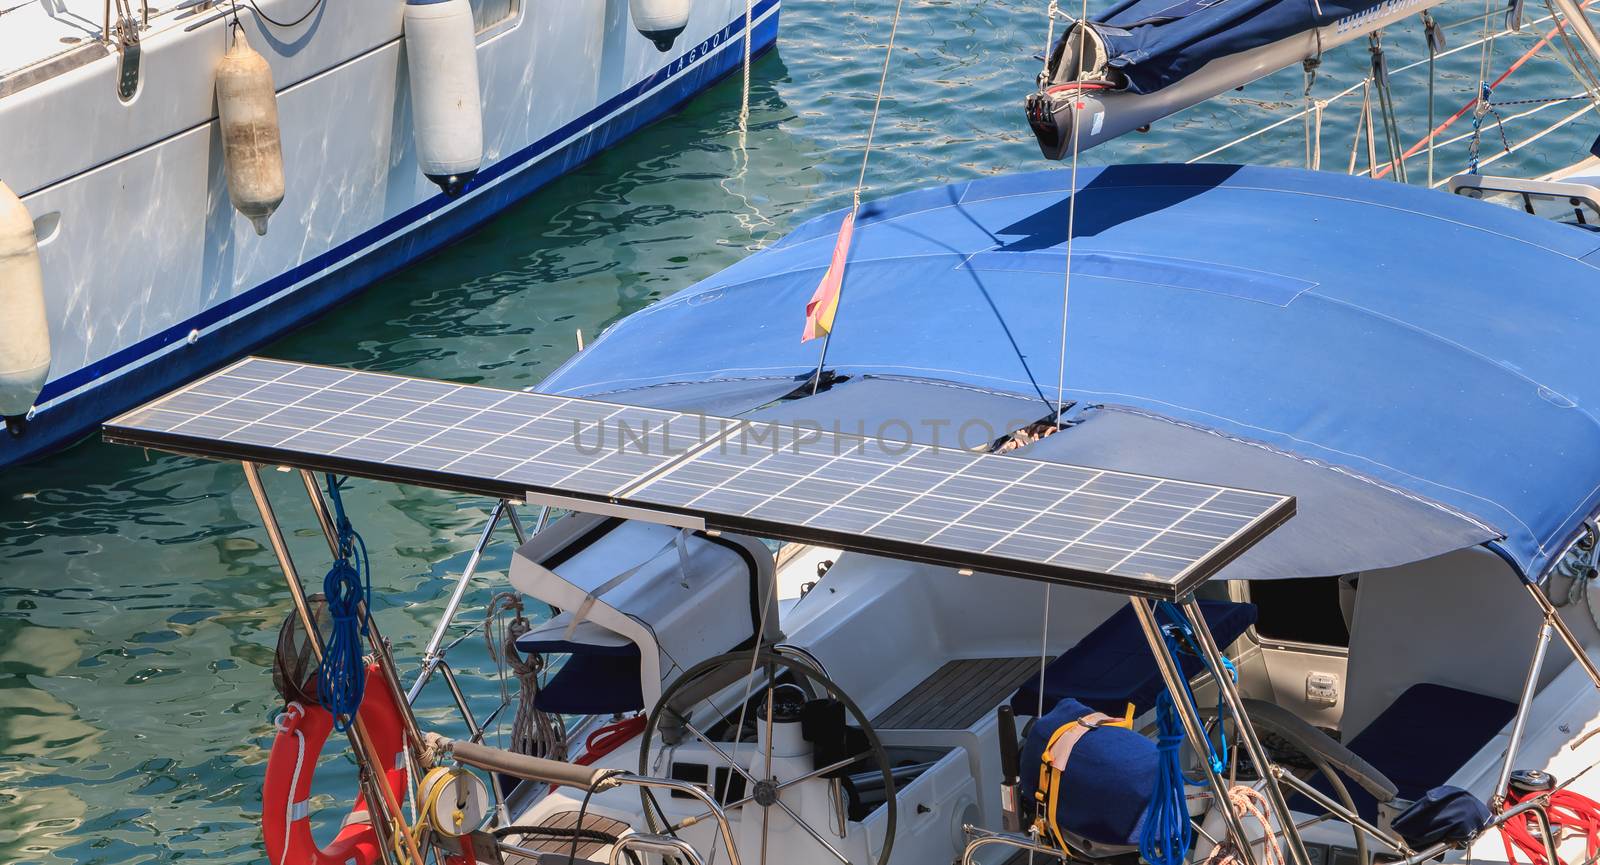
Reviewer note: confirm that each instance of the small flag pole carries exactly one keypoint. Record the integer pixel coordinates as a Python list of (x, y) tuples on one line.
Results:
[(816, 380), (855, 196)]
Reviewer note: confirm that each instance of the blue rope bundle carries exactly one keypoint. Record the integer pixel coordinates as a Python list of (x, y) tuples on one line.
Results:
[(342, 677), (1166, 836)]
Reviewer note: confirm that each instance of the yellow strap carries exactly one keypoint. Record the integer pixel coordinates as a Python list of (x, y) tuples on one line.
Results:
[(1048, 823)]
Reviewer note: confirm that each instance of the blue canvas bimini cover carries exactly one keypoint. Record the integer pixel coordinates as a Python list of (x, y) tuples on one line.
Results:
[(1154, 43), (1345, 522), (1425, 341)]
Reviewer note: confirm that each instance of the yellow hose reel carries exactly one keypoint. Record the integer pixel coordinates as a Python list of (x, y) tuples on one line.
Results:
[(455, 802)]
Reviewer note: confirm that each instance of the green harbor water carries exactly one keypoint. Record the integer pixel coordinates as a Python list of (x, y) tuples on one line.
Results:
[(139, 603)]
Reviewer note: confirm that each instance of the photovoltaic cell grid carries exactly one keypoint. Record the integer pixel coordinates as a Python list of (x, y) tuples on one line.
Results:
[(997, 513), (518, 440), (1066, 516)]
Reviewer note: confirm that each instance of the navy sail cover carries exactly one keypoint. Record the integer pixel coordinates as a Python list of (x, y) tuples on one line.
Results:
[(1153, 43)]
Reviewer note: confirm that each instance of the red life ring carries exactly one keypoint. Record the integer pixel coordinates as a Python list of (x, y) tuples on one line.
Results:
[(285, 815)]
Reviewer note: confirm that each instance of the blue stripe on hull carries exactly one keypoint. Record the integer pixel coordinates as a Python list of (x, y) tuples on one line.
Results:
[(282, 309)]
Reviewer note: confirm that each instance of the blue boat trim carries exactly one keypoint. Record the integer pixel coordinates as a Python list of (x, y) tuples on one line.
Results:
[(436, 223)]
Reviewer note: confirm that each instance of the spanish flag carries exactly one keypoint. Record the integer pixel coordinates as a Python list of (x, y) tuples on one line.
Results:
[(824, 302)]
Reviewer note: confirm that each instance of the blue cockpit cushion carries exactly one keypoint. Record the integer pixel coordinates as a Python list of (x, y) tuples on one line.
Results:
[(1105, 790), (594, 684), (1112, 665), (1421, 740), (1445, 813)]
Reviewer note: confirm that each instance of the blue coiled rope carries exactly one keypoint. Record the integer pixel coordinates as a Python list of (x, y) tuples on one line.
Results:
[(1166, 836), (342, 677)]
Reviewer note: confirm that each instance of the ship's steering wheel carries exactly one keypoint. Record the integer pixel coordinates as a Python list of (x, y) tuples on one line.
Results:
[(670, 723)]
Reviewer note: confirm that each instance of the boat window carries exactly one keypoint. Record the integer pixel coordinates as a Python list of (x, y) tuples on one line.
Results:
[(1300, 611), (487, 13)]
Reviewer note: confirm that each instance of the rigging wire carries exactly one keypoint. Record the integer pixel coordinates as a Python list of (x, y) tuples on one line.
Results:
[(1430, 140), (1434, 37), (861, 179), (1485, 91), (1072, 223)]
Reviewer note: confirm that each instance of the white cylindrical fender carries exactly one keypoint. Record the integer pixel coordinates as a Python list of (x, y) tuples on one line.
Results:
[(442, 61), (252, 152), (660, 21), (25, 338)]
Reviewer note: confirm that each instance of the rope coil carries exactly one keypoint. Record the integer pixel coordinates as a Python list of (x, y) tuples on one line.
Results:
[(533, 732), (1167, 836), (1568, 812), (1247, 801), (341, 678)]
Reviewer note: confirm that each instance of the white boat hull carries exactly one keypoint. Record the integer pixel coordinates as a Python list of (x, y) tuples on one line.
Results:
[(151, 276)]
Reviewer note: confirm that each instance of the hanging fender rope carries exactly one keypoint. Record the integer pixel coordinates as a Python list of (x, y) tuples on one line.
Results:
[(341, 678)]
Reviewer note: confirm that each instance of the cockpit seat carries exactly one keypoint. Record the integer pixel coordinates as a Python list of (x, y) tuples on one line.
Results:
[(593, 681), (1421, 740), (1112, 665)]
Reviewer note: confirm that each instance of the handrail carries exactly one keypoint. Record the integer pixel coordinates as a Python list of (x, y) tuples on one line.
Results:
[(662, 845), (588, 778), (1321, 104), (982, 838)]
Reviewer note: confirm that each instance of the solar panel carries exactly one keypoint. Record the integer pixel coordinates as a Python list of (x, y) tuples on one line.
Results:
[(931, 499), (417, 429), (1001, 514)]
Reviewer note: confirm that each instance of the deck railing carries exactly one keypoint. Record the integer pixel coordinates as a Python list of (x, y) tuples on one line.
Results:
[(1574, 55)]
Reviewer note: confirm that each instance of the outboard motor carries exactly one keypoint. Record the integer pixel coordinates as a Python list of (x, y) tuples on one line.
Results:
[(1067, 88)]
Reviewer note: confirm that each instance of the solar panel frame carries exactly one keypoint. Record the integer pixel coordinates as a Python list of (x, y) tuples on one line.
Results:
[(1049, 521)]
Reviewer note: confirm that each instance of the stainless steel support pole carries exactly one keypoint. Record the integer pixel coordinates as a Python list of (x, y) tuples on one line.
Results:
[(1337, 809), (475, 735), (1252, 742), (516, 522), (376, 793), (1565, 633), (430, 654), (1573, 12), (329, 531), (1497, 798), (1192, 727), (258, 491)]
